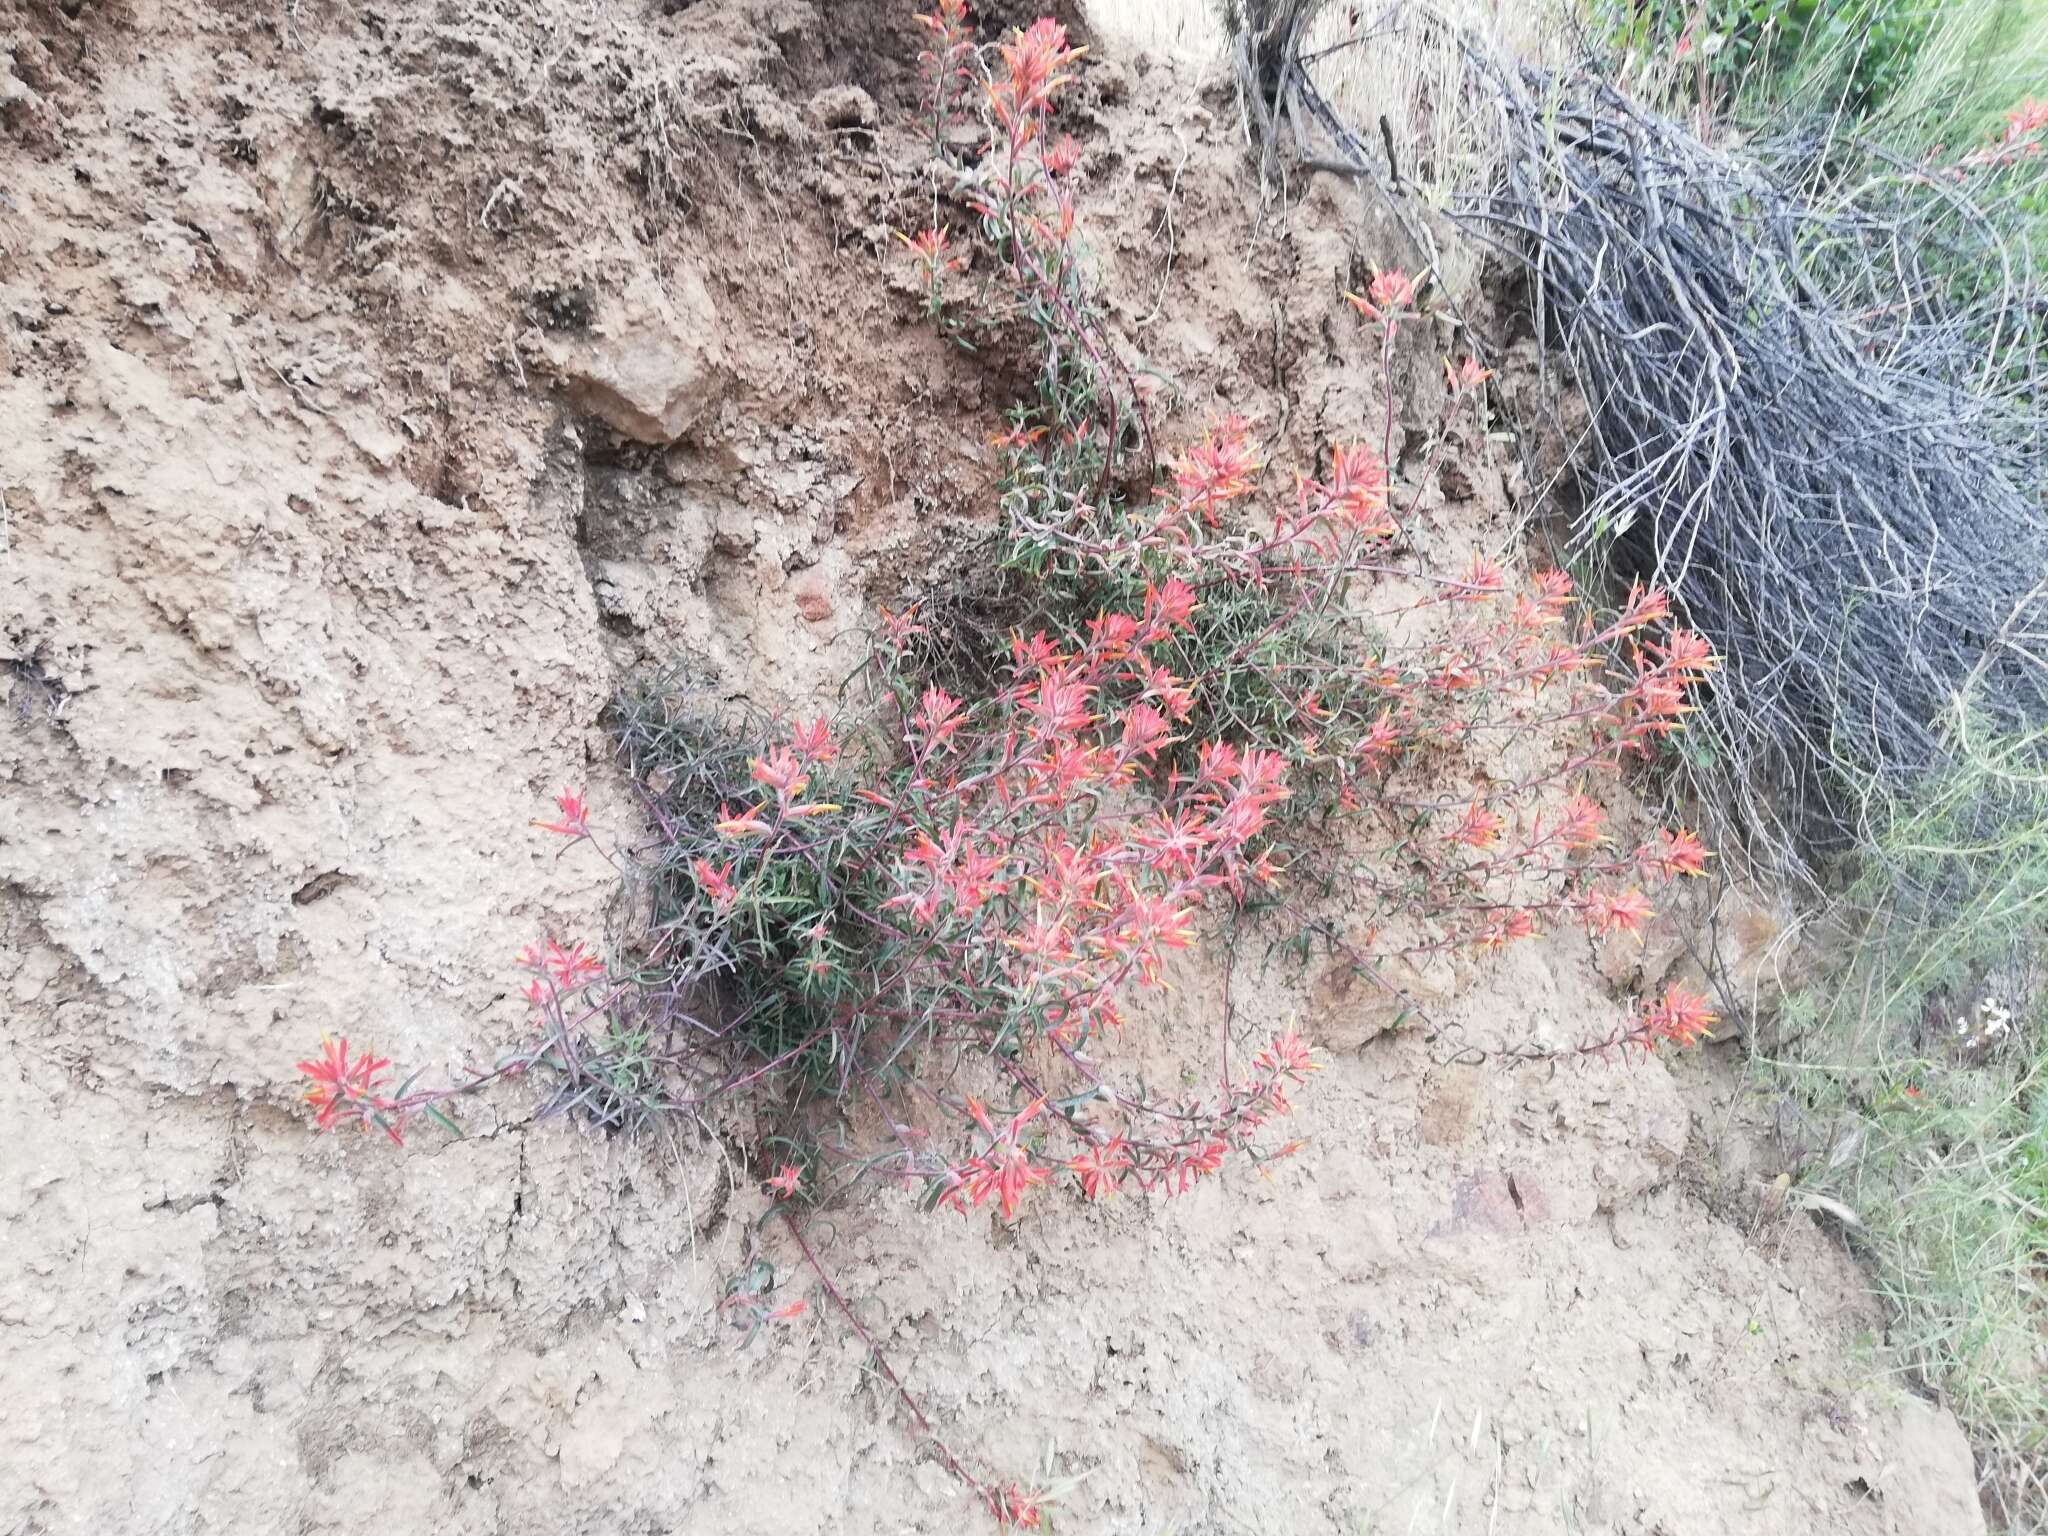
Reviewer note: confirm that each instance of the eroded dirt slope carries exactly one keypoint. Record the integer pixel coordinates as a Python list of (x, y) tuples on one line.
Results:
[(379, 385)]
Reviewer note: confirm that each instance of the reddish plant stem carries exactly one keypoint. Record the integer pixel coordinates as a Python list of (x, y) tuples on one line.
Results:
[(951, 1462)]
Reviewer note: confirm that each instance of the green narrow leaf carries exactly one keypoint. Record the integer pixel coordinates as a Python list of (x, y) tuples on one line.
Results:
[(442, 1119)]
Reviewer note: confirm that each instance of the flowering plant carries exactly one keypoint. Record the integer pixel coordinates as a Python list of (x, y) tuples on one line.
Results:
[(929, 912), (860, 910)]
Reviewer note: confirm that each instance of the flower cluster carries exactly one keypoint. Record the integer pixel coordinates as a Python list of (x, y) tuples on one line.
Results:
[(339, 1086), (1021, 93), (931, 911), (932, 249), (1480, 668), (1679, 1016), (2019, 139), (988, 878), (1389, 298), (945, 62)]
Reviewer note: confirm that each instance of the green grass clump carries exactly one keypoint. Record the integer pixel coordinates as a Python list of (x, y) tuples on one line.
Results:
[(1923, 1063), (1914, 76)]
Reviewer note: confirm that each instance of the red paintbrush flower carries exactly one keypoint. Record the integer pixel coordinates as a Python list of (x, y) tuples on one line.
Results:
[(715, 882), (1019, 1510), (1287, 1056), (1580, 828), (1467, 376), (1645, 606), (1358, 490), (1390, 295), (930, 246), (1170, 605), (899, 627), (1603, 912), (1479, 828), (1483, 577), (1006, 1170), (938, 715), (338, 1084), (1222, 467), (781, 772), (1672, 854), (1505, 928), (1101, 1168), (747, 823), (570, 967), (813, 742), (1145, 731), (1680, 1016), (575, 816)]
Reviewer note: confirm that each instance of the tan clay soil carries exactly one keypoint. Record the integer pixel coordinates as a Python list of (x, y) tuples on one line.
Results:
[(381, 381)]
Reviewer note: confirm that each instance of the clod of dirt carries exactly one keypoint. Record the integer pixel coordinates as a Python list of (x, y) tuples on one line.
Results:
[(651, 364), (843, 106)]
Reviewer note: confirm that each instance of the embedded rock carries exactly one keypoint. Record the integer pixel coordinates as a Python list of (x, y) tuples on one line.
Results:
[(651, 365)]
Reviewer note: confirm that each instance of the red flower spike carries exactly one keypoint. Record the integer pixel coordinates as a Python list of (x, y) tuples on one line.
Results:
[(1221, 468), (571, 967), (1287, 1056), (1645, 606), (715, 882), (1171, 605), (1145, 731), (1030, 61), (1382, 742), (780, 772), (1100, 1169), (575, 816), (1358, 491), (1505, 928), (1110, 635), (1005, 1172), (746, 823), (899, 627), (1466, 377), (1605, 912), (786, 1180), (1679, 1016), (978, 1113), (813, 742), (930, 246), (338, 1084), (1580, 827), (1019, 1511), (938, 715), (1672, 854), (1390, 295), (1687, 652), (1483, 578), (1189, 1168), (1479, 828)]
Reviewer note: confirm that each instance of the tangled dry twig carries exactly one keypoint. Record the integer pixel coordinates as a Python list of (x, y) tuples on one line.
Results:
[(1812, 411)]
